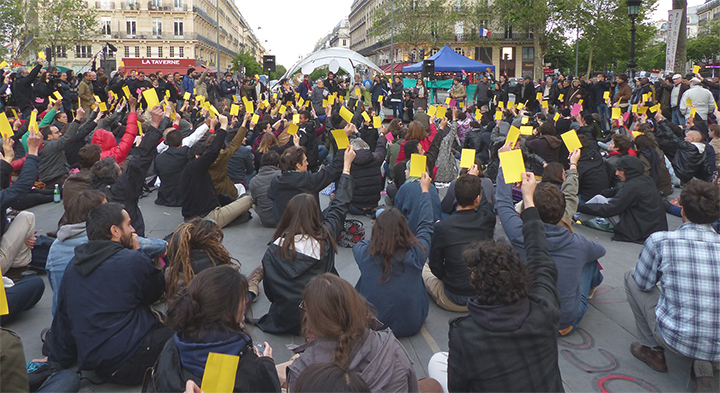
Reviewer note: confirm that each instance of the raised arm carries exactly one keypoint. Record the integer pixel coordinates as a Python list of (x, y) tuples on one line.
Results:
[(335, 219)]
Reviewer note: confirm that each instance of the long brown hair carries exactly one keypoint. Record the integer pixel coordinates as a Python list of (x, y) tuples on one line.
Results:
[(415, 131), (81, 204), (335, 310), (301, 217), (391, 237), (196, 234), (268, 140)]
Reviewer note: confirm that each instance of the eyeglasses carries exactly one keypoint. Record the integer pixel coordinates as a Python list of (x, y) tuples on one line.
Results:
[(302, 305)]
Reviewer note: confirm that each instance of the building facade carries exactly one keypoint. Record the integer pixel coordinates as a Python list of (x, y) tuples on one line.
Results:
[(710, 11), (165, 29), (511, 52), (339, 37)]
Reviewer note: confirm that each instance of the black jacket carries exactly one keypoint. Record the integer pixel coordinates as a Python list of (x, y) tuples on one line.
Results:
[(637, 202), (198, 192), (366, 172), (308, 139), (284, 187), (592, 173), (511, 348), (479, 139), (451, 236), (22, 89), (169, 166), (19, 188), (284, 280)]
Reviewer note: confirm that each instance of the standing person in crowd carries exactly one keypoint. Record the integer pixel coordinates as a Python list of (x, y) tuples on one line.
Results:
[(483, 94), (700, 98), (623, 93), (420, 95), (678, 90), (378, 89), (22, 89), (457, 91), (509, 340), (391, 265), (303, 247), (305, 88), (85, 92), (396, 97), (228, 87), (681, 317)]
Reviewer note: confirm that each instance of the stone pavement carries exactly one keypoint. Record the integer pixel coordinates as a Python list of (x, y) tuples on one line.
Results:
[(595, 358)]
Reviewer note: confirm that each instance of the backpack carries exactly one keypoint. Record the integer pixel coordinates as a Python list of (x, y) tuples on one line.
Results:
[(447, 165), (351, 234)]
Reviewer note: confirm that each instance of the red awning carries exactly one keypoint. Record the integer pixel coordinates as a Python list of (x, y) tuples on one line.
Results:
[(397, 68)]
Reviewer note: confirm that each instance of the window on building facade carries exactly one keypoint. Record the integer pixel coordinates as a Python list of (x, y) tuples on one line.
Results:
[(181, 52), (106, 26), (344, 42), (178, 3), (83, 51), (137, 51), (155, 4), (160, 51), (178, 27), (107, 53), (60, 51), (508, 32), (127, 51), (131, 26), (149, 51), (172, 51), (157, 26), (528, 53)]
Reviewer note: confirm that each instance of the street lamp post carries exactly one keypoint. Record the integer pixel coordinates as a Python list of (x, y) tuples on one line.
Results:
[(633, 11)]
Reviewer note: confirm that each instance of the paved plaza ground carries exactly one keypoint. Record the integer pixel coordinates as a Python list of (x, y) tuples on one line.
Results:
[(596, 357)]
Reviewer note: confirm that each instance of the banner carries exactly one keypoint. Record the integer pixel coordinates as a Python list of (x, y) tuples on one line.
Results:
[(674, 21)]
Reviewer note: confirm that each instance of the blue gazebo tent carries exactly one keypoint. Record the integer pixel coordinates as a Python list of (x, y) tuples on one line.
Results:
[(447, 60)]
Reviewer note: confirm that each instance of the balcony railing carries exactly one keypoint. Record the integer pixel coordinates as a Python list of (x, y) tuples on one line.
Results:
[(151, 6), (148, 35)]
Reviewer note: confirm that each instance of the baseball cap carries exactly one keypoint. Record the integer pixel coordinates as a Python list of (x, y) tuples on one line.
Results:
[(677, 76)]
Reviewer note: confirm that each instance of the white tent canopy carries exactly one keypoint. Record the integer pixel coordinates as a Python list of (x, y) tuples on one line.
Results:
[(334, 58)]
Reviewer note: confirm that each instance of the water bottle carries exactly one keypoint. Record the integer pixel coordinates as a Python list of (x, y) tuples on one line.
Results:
[(56, 194)]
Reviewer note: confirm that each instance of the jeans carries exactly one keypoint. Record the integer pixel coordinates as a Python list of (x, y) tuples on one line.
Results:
[(376, 106), (589, 278), (604, 113), (397, 108), (677, 117), (61, 382), (322, 153), (23, 296)]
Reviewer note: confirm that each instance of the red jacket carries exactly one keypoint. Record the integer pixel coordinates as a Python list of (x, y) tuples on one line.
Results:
[(106, 140)]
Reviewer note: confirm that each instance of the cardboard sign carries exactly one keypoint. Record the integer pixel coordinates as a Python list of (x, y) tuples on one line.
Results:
[(377, 122), (571, 140), (467, 159), (418, 165), (520, 105), (512, 136), (341, 138), (556, 117), (220, 371), (655, 109), (634, 108), (301, 102), (249, 107), (501, 104), (97, 99), (513, 165), (642, 110)]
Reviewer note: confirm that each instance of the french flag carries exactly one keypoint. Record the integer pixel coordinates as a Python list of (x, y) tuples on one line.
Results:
[(484, 32)]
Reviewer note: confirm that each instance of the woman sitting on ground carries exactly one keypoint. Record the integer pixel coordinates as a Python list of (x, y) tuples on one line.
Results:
[(391, 265), (303, 247), (208, 317), (341, 319)]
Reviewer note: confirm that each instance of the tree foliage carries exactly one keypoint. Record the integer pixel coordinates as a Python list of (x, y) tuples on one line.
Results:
[(417, 23), (247, 60), (702, 48), (280, 70), (64, 22), (12, 26)]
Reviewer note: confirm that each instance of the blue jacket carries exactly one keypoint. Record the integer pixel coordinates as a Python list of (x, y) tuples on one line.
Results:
[(570, 251), (401, 302), (408, 202), (188, 84), (103, 309)]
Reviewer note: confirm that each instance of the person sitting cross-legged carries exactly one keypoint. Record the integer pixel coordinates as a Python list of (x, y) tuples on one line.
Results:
[(682, 316)]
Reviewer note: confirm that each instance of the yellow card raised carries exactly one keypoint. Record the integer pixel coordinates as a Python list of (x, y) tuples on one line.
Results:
[(526, 130), (692, 112), (512, 135), (366, 117), (255, 119), (645, 97), (688, 102), (220, 371), (544, 104), (556, 117), (5, 128), (561, 96), (377, 122), (520, 105), (301, 102), (33, 122), (498, 115), (571, 140), (41, 54), (380, 99), (139, 128), (97, 99), (234, 98), (636, 134), (325, 103), (501, 104), (655, 109), (539, 96), (634, 108), (341, 138), (467, 159), (234, 109), (524, 120), (292, 129), (418, 165), (126, 90), (580, 102), (346, 114), (3, 64), (102, 106), (249, 107), (447, 101), (167, 93), (606, 95), (122, 64), (282, 109), (296, 118), (151, 98), (440, 113), (266, 102), (15, 114), (57, 95), (616, 113), (513, 165), (214, 111), (331, 100), (643, 109), (696, 69), (357, 92), (4, 309), (432, 110)]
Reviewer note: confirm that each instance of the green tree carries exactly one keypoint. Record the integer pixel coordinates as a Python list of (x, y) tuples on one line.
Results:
[(702, 48), (247, 60), (280, 70), (12, 27), (69, 22)]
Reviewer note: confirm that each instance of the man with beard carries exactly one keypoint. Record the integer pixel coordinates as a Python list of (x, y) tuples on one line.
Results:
[(104, 321)]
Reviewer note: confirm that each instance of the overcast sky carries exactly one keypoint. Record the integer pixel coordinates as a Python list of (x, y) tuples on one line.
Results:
[(292, 27)]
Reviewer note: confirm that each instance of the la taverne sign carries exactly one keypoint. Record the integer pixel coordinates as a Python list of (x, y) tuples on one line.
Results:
[(146, 62)]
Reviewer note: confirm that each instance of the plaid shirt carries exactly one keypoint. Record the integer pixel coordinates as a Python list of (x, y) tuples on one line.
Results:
[(686, 262)]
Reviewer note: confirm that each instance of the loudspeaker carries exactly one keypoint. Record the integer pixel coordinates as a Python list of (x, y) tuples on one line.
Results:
[(48, 54), (428, 69), (269, 63)]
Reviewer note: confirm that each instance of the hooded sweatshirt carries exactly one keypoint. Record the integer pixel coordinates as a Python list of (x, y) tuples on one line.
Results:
[(546, 147), (103, 309), (61, 252), (107, 142)]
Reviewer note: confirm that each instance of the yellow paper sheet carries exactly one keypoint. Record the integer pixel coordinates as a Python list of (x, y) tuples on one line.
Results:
[(634, 108), (513, 165), (325, 103), (255, 119), (297, 95), (580, 102), (4, 309), (418, 165), (41, 54), (331, 100), (688, 102), (126, 90), (431, 111), (545, 104), (642, 110), (97, 99), (512, 135), (501, 104), (346, 114), (377, 122), (366, 117), (220, 371), (461, 104), (249, 107), (447, 101), (102, 106), (301, 102), (341, 138), (266, 103), (5, 128), (561, 96), (440, 113), (520, 105), (571, 140), (645, 97), (139, 128), (636, 134), (616, 113), (606, 95), (167, 93), (655, 109), (296, 118), (380, 99), (467, 159), (692, 113), (234, 98), (696, 69), (3, 64), (292, 129), (282, 109), (15, 114), (122, 64), (357, 92), (57, 95), (524, 120), (151, 98), (556, 117), (498, 115), (526, 130), (33, 122), (214, 111), (539, 96), (234, 109), (52, 101)]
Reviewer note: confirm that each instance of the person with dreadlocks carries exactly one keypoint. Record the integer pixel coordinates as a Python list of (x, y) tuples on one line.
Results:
[(194, 246)]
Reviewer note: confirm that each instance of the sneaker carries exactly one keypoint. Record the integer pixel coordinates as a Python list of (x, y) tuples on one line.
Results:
[(702, 376), (653, 357), (254, 281), (592, 292)]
